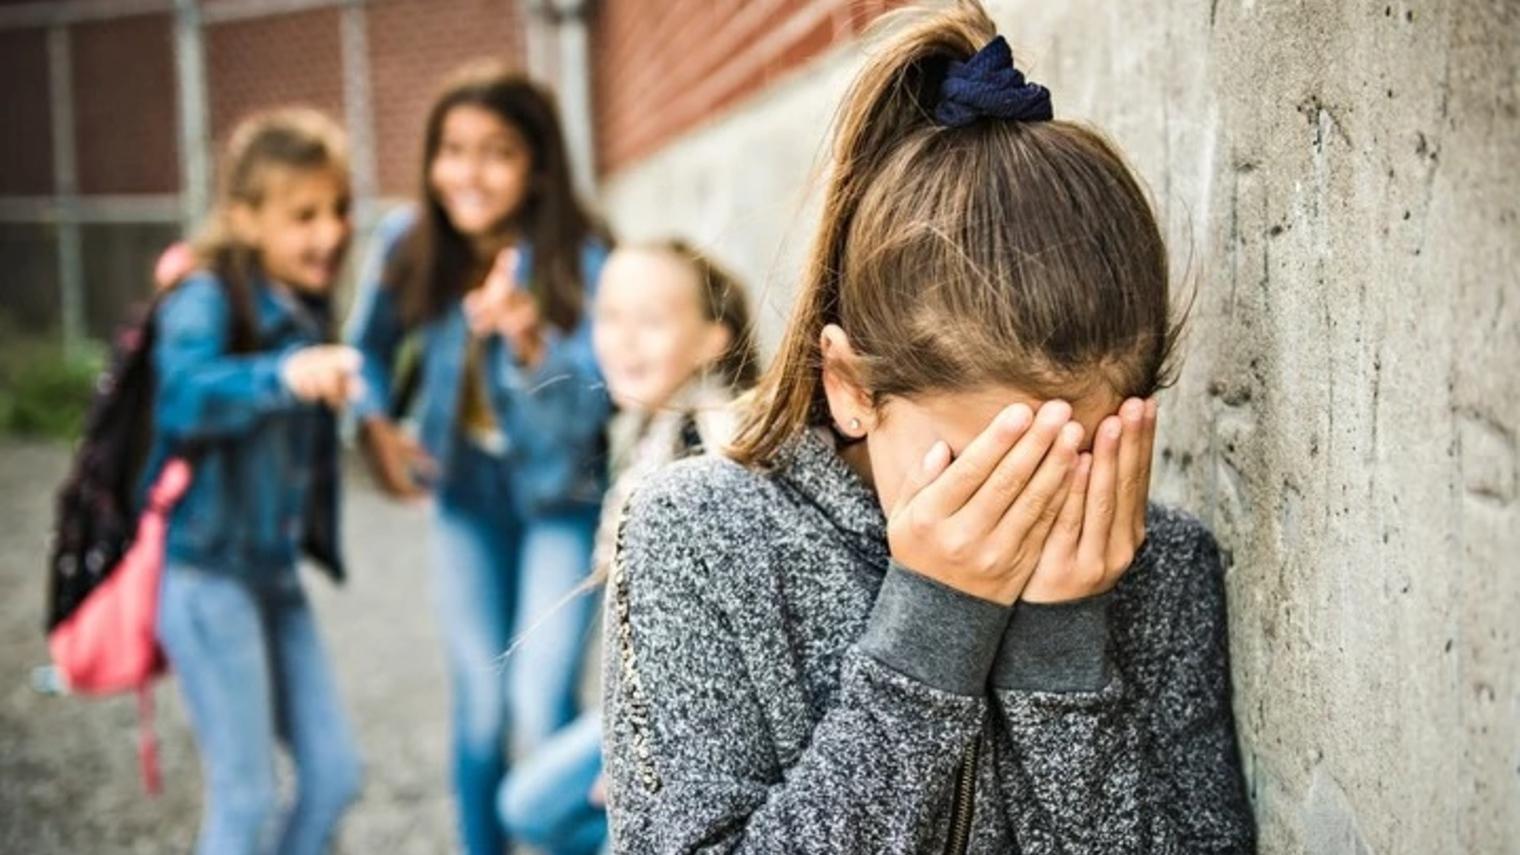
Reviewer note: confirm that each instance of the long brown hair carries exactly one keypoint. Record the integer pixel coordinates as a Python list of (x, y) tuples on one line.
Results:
[(435, 265), (294, 138), (1000, 253), (721, 298)]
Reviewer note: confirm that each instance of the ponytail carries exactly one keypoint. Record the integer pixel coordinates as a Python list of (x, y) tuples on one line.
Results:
[(968, 240), (890, 102)]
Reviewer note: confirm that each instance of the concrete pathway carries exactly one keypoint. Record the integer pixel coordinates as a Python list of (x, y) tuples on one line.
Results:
[(68, 765)]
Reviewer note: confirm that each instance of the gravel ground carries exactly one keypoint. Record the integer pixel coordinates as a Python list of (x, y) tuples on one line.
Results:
[(68, 765)]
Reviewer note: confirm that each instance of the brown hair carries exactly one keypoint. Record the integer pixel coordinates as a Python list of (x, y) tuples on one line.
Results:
[(722, 300), (435, 265), (289, 138), (999, 253)]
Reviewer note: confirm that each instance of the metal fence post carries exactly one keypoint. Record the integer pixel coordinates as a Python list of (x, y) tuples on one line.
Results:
[(66, 186), (194, 112)]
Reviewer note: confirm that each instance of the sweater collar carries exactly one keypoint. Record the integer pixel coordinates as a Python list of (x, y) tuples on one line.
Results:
[(812, 467)]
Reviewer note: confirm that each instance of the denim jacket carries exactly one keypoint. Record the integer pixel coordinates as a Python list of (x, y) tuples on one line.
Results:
[(265, 463), (552, 415)]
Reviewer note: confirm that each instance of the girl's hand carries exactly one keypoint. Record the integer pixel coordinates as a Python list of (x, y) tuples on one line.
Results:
[(1102, 522), (519, 323), (323, 373), (979, 524), (484, 305), (394, 458), (499, 306)]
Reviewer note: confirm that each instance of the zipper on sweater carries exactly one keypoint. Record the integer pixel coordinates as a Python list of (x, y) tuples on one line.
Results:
[(963, 801)]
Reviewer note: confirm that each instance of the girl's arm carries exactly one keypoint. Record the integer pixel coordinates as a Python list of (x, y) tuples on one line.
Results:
[(690, 751), (1090, 763), (375, 327), (203, 391)]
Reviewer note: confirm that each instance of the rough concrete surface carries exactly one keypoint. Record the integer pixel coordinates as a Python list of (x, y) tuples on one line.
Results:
[(1340, 185)]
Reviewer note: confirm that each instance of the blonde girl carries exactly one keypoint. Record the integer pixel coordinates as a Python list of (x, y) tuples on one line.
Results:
[(673, 339), (247, 389)]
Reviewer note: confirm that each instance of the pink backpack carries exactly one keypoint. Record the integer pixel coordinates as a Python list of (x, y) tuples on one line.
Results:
[(107, 553), (108, 643)]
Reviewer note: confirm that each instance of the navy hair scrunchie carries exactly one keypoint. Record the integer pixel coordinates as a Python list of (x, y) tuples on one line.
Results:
[(988, 86)]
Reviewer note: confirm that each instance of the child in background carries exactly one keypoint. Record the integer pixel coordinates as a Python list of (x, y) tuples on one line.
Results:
[(492, 274), (673, 338), (674, 341), (247, 386)]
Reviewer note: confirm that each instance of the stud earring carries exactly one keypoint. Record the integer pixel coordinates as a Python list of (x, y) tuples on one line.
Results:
[(854, 424)]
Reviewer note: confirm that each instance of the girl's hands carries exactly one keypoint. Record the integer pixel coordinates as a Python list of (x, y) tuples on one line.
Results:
[(323, 373), (498, 306), (979, 524), (1102, 521), (395, 459), (1021, 515)]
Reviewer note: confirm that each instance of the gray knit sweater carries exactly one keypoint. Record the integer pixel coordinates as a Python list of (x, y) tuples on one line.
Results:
[(774, 683)]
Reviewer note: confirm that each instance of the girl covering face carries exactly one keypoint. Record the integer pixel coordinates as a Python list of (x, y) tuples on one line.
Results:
[(912, 613), (491, 276), (247, 387)]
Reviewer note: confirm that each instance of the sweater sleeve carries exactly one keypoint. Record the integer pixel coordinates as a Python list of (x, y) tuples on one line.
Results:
[(691, 764), (1092, 762)]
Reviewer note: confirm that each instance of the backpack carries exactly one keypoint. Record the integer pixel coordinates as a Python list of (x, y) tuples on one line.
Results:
[(106, 558), (99, 505)]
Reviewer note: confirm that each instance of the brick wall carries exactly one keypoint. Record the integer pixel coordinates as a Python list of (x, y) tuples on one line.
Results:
[(125, 115), (26, 136), (659, 67), (125, 95), (125, 90), (260, 63), (28, 293), (413, 46), (662, 66)]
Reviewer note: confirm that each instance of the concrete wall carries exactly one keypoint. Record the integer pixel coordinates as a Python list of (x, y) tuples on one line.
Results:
[(1340, 183)]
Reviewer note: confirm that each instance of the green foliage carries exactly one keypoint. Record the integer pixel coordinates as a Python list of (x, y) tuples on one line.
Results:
[(45, 391)]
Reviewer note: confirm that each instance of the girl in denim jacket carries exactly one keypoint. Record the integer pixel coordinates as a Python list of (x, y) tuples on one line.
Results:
[(246, 390), (490, 276)]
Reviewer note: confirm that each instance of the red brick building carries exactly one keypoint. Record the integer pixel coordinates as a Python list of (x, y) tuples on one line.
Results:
[(662, 66), (110, 110)]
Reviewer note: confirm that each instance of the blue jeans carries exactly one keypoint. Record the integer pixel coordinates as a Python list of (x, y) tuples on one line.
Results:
[(252, 671), (502, 581), (546, 801)]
